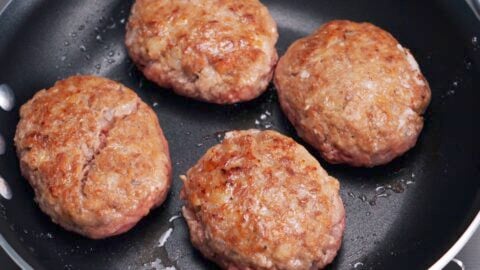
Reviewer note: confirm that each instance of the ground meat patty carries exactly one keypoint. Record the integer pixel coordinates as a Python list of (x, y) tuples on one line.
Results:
[(94, 154), (220, 51), (353, 92), (259, 200)]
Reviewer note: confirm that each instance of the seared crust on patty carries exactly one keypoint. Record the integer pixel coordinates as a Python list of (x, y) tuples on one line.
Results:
[(259, 200), (94, 154), (220, 51), (353, 92)]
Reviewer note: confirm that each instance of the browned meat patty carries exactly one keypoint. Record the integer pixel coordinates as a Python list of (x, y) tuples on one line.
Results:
[(353, 92), (220, 51), (94, 154), (259, 200)]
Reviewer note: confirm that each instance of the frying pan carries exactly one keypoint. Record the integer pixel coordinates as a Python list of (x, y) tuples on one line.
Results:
[(413, 213)]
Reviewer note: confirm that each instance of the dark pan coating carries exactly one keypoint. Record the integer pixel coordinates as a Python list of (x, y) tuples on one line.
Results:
[(439, 35), (94, 154), (353, 92), (259, 200)]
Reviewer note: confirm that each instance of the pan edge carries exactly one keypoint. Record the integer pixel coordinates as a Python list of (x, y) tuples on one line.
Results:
[(459, 244)]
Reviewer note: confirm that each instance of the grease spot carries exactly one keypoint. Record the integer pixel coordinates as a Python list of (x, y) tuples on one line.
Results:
[(475, 41), (358, 265), (264, 121), (157, 265), (164, 237), (174, 218)]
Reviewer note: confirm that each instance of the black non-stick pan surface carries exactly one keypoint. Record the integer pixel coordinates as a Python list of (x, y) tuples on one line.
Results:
[(404, 215)]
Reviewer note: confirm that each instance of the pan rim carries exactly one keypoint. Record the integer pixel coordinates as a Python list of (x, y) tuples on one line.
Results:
[(458, 245), (5, 6), (12, 253)]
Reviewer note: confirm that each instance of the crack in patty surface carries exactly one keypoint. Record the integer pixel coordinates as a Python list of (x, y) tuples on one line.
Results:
[(94, 154)]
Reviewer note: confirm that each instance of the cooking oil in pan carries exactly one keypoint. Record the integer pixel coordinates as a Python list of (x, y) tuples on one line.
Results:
[(357, 265), (164, 237), (166, 234), (264, 121), (157, 265), (172, 218), (475, 43)]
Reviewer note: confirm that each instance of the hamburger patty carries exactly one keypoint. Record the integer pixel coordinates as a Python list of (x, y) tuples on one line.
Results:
[(220, 51), (259, 200), (94, 154), (353, 92)]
